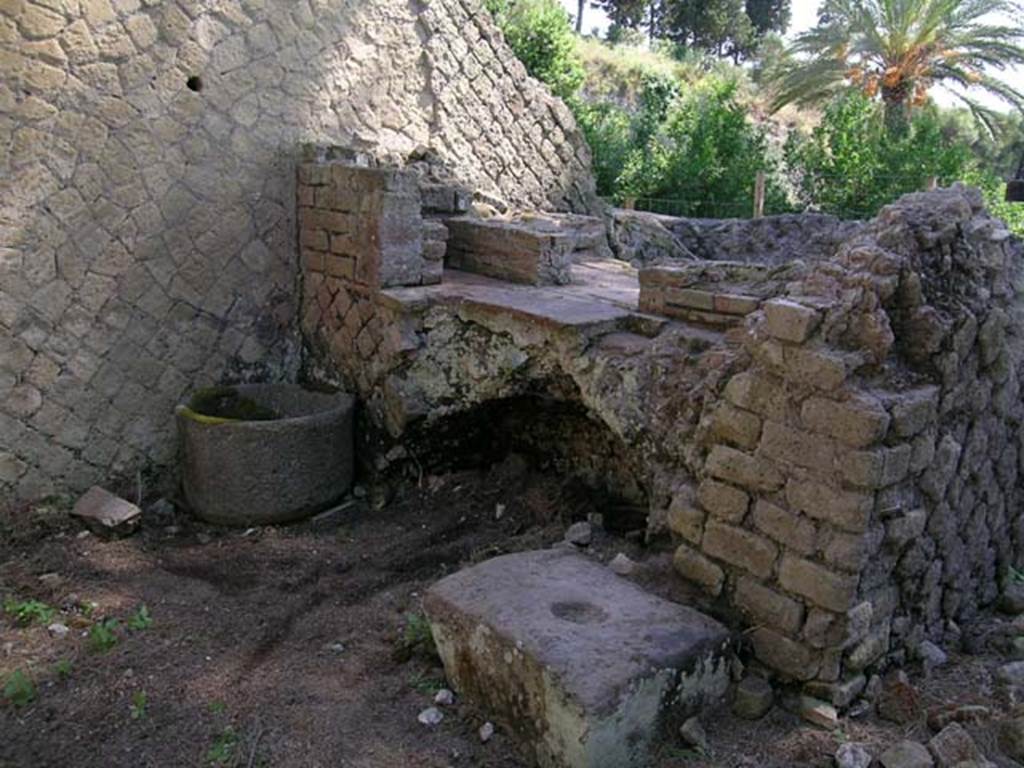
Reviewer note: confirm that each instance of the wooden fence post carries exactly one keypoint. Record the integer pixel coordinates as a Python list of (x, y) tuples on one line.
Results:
[(759, 195)]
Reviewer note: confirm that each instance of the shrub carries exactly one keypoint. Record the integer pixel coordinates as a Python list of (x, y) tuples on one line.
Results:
[(609, 132), (539, 33), (703, 157), (851, 166)]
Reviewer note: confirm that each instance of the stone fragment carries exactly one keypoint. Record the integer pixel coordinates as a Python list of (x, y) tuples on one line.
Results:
[(622, 565), (486, 732), (738, 427), (931, 655), (1012, 598), (841, 694), (580, 534), (693, 734), (852, 755), (953, 745), (898, 701), (788, 321), (106, 513), (693, 566), (906, 754), (818, 713), (58, 630), (431, 716), (1011, 737), (536, 641), (753, 698), (940, 717), (444, 698)]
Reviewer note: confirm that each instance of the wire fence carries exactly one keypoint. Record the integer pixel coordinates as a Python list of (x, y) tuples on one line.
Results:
[(759, 196)]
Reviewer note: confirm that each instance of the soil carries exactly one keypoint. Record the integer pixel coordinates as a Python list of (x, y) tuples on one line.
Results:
[(303, 646)]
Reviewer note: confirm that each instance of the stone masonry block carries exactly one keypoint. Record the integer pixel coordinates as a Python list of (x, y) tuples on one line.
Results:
[(784, 654), (857, 422), (736, 426), (766, 606), (818, 368), (779, 442), (723, 501), (685, 519), (695, 567), (755, 392), (740, 547), (848, 510), (751, 472), (791, 529), (788, 321), (877, 468), (912, 411), (823, 587)]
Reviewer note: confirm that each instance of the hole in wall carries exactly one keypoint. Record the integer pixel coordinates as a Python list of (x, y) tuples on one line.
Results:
[(194, 83)]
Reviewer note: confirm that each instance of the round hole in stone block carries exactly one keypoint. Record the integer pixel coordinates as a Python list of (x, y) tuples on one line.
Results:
[(579, 612), (194, 83)]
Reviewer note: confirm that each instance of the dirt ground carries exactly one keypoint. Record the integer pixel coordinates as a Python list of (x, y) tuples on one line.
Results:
[(299, 647)]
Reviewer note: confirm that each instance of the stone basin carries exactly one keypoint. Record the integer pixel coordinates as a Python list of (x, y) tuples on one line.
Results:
[(247, 472)]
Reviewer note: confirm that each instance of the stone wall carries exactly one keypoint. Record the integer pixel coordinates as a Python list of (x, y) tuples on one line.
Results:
[(147, 187), (860, 489)]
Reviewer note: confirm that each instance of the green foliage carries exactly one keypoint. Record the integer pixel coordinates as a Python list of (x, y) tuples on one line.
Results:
[(851, 165), (993, 189), (705, 154), (19, 689), (103, 635), (137, 709), (218, 707), (539, 33), (63, 669), (607, 128), (416, 636), (25, 612), (426, 684), (224, 746), (140, 620)]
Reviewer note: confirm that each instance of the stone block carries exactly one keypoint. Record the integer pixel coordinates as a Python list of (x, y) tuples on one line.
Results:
[(520, 251), (753, 698), (693, 566), (817, 368), (847, 510), (751, 472), (685, 519), (766, 606), (106, 513), (740, 547), (906, 754), (723, 501), (913, 411), (755, 392), (735, 426), (545, 644), (876, 468), (785, 655), (782, 443), (858, 421), (734, 304), (953, 746), (791, 529), (788, 321), (823, 587)]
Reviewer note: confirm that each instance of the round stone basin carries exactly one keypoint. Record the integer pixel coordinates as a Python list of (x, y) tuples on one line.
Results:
[(289, 455)]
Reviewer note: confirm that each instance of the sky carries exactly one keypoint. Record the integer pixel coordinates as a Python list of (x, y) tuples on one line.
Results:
[(804, 16)]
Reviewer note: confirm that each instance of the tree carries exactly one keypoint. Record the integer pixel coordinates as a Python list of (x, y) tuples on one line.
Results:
[(897, 50), (632, 14), (769, 15), (539, 33)]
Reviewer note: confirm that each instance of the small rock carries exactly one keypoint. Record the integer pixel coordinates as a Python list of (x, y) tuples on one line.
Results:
[(1015, 648), (819, 712), (906, 754), (431, 716), (753, 698), (852, 755), (106, 513), (444, 698), (898, 701), (940, 717), (1011, 737), (203, 538), (335, 647), (359, 491), (953, 745), (931, 655), (486, 732), (51, 580), (160, 513), (692, 733), (580, 534), (58, 630), (1012, 599), (499, 511), (622, 565)]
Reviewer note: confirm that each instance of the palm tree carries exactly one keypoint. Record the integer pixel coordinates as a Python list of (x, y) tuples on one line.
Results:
[(898, 49)]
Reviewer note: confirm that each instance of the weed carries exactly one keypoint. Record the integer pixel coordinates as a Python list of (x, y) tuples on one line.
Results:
[(416, 638), (63, 669), (19, 689), (426, 684), (138, 706), (223, 749), (1016, 576), (678, 753), (218, 707), (140, 620), (102, 636), (27, 611)]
